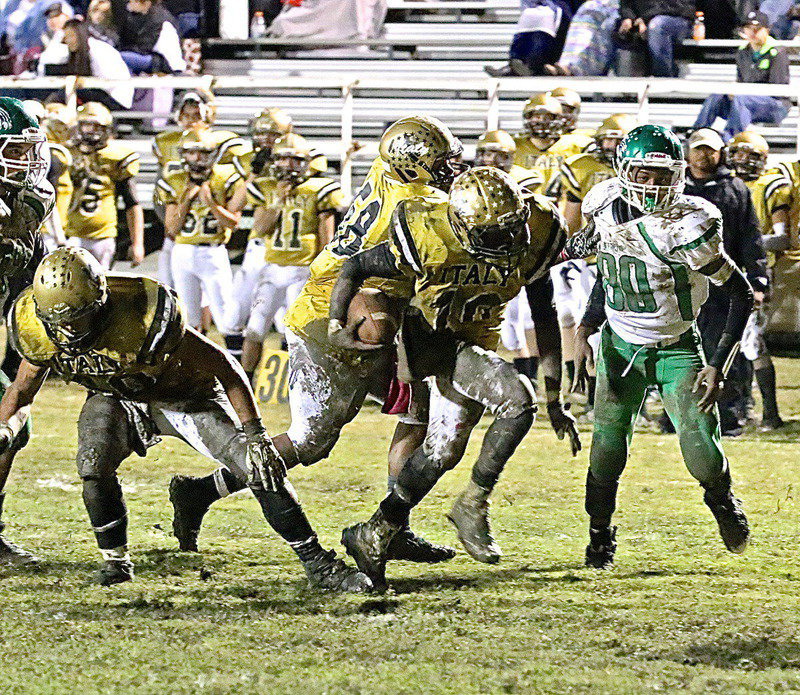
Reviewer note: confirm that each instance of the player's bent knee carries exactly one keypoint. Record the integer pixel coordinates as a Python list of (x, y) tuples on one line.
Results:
[(519, 400)]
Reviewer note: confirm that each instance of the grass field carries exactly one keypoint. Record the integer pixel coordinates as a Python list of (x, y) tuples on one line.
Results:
[(677, 614)]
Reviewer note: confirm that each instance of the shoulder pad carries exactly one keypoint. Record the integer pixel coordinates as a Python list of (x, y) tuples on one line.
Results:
[(695, 220), (27, 332), (600, 196), (117, 151), (414, 236), (61, 153)]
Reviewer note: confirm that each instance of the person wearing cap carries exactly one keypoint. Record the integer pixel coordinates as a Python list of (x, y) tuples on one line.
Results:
[(709, 177), (759, 61)]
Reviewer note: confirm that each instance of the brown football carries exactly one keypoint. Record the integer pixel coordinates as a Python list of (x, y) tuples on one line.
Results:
[(380, 313)]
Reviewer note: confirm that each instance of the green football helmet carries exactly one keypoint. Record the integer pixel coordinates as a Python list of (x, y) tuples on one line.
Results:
[(23, 157), (655, 149)]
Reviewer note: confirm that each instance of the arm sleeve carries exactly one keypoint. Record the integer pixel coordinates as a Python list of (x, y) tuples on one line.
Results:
[(739, 308), (595, 313), (330, 197), (126, 189), (540, 299), (375, 262), (748, 233)]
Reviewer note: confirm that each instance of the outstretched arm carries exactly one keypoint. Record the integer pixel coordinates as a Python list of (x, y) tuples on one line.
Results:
[(16, 402)]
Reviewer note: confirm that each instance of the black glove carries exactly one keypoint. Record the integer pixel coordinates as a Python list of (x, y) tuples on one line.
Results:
[(564, 424), (266, 467)]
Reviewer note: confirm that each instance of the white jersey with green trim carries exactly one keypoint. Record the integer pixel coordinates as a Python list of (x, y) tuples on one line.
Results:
[(650, 265)]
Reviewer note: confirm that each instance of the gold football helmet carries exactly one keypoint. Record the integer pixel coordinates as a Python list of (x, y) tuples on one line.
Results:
[(198, 151), (746, 154), (57, 123), (69, 288), (421, 149), (489, 216), (93, 127), (542, 114), (495, 148), (570, 102), (611, 133), (268, 126), (194, 108), (291, 158)]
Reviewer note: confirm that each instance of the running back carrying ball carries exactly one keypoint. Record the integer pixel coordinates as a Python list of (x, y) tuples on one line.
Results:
[(376, 316)]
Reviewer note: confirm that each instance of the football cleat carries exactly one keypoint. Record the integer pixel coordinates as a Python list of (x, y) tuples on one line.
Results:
[(114, 572), (601, 548), (368, 543), (12, 554), (188, 513), (406, 545), (329, 573), (470, 516), (732, 522)]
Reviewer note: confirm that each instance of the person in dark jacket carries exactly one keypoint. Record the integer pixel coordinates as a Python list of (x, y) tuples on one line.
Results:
[(759, 61), (708, 177), (666, 23), (149, 40)]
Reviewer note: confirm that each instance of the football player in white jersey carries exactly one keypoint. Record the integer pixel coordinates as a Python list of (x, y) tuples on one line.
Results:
[(657, 249)]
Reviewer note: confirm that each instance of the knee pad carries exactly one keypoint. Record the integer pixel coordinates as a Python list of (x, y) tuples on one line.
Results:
[(315, 447), (519, 398), (103, 437)]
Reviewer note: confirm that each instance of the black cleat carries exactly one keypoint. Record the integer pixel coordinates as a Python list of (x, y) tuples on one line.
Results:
[(470, 516), (406, 545), (114, 572), (771, 424), (601, 548), (12, 554), (329, 573), (188, 512), (368, 543), (732, 522)]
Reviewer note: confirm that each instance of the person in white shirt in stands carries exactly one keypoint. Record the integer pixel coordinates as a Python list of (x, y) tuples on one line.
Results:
[(78, 53)]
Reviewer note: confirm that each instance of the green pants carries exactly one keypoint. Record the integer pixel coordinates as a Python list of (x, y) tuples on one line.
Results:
[(24, 435), (619, 398)]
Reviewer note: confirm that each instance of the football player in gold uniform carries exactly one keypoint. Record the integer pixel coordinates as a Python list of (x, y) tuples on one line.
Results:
[(295, 217), (102, 170), (772, 195), (26, 201), (468, 256), (328, 384), (57, 124), (198, 219), (496, 148), (123, 338), (196, 111)]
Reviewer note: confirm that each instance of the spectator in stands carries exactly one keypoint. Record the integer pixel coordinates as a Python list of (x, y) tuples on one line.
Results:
[(783, 17), (78, 53), (589, 48), (149, 40), (45, 20), (663, 23), (708, 177), (101, 22), (187, 15), (538, 38), (759, 61)]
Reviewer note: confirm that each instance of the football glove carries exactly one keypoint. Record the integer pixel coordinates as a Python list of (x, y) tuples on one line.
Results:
[(265, 465)]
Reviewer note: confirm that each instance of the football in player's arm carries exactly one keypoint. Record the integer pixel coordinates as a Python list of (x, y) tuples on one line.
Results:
[(468, 257), (657, 250), (123, 338)]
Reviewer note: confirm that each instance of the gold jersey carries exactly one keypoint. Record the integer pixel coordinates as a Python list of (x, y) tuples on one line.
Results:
[(64, 185), (791, 170), (456, 291), (365, 225), (770, 192), (547, 162), (92, 210), (201, 227), (295, 240), (580, 172), (529, 179), (142, 326)]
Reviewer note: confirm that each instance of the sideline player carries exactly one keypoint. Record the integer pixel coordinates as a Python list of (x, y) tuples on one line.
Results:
[(328, 385), (123, 338), (772, 195), (295, 217), (468, 256), (198, 218), (102, 169), (26, 201), (657, 250)]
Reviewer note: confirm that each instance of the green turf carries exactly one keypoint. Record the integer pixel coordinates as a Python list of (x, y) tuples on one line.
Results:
[(677, 614)]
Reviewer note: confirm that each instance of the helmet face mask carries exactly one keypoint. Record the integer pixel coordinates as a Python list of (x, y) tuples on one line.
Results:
[(291, 168), (23, 162), (747, 162), (91, 136), (190, 115), (198, 161), (487, 157), (607, 147), (446, 168), (544, 124), (651, 168)]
